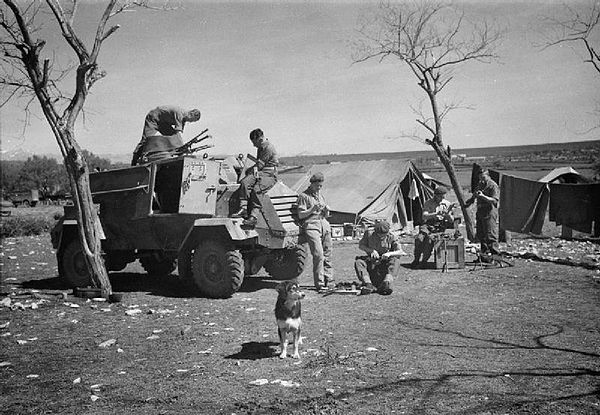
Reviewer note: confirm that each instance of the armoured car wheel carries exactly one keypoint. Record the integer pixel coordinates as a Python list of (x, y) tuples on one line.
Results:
[(71, 265), (287, 264), (217, 270), (157, 264)]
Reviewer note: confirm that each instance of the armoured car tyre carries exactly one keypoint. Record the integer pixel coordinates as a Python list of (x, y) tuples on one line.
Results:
[(158, 265), (71, 265), (289, 264), (217, 270)]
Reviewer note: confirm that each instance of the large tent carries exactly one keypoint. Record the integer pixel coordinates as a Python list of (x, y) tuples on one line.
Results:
[(364, 191)]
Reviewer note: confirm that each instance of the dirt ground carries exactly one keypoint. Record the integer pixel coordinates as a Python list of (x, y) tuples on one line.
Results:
[(520, 340)]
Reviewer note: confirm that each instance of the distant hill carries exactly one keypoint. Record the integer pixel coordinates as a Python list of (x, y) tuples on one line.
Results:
[(586, 148), (589, 149)]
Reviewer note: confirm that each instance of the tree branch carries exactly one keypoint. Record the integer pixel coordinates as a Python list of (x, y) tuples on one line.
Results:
[(100, 35), (68, 32)]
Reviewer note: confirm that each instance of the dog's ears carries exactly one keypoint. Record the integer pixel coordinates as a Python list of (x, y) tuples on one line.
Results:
[(281, 287)]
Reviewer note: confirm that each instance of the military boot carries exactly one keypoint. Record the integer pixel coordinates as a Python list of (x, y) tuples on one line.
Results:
[(252, 219), (243, 210)]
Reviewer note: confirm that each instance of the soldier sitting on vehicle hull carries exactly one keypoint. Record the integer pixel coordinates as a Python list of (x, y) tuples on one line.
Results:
[(258, 180)]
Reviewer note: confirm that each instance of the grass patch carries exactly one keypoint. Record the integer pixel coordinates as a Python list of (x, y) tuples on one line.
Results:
[(29, 221), (14, 226)]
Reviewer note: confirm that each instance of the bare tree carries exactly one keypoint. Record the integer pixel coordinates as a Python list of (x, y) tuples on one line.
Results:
[(579, 25), (433, 39), (27, 73)]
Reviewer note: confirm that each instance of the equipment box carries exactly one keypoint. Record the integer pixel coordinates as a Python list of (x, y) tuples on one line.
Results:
[(449, 253)]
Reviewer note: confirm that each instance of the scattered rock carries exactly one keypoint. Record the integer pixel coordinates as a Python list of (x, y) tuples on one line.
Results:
[(259, 382), (107, 343)]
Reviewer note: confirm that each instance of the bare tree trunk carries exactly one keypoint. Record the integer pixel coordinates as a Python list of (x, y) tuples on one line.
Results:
[(78, 172), (447, 162), (87, 216)]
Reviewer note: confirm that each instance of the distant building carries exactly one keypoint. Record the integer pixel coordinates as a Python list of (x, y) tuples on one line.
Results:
[(463, 158)]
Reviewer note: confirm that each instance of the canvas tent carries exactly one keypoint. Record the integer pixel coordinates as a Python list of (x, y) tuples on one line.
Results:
[(564, 175), (364, 191), (433, 182)]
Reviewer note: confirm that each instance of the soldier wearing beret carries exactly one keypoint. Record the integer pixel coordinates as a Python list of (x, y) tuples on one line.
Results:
[(313, 213), (377, 269), (437, 216)]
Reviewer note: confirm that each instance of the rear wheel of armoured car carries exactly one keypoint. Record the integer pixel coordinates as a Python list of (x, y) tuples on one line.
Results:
[(72, 266), (158, 264), (217, 269), (287, 264)]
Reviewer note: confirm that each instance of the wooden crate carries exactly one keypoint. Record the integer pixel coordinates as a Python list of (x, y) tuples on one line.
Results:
[(450, 252)]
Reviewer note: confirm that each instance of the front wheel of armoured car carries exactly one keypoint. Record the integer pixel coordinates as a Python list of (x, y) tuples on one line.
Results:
[(217, 270)]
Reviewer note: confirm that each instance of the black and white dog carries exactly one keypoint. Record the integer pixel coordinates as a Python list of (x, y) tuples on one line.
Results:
[(287, 313)]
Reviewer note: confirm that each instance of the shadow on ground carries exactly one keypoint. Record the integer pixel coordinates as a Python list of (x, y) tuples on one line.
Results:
[(257, 283), (255, 351), (166, 286)]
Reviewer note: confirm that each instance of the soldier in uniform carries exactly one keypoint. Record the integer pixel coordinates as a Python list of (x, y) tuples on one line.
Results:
[(258, 180), (437, 216), (377, 269), (313, 213), (167, 121), (487, 195)]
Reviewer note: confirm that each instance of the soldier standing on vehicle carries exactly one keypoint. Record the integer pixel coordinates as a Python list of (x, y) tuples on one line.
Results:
[(258, 180), (167, 121), (313, 213)]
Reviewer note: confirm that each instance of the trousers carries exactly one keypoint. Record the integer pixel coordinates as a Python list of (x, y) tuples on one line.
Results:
[(375, 272), (423, 246), (252, 186), (318, 235), (487, 232)]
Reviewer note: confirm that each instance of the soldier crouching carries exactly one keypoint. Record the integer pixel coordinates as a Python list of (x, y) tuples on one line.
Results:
[(377, 269)]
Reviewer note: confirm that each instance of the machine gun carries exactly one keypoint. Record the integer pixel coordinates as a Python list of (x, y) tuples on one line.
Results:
[(162, 149), (187, 147)]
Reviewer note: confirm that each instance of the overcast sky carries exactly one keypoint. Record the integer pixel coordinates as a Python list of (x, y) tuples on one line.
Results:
[(286, 67)]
